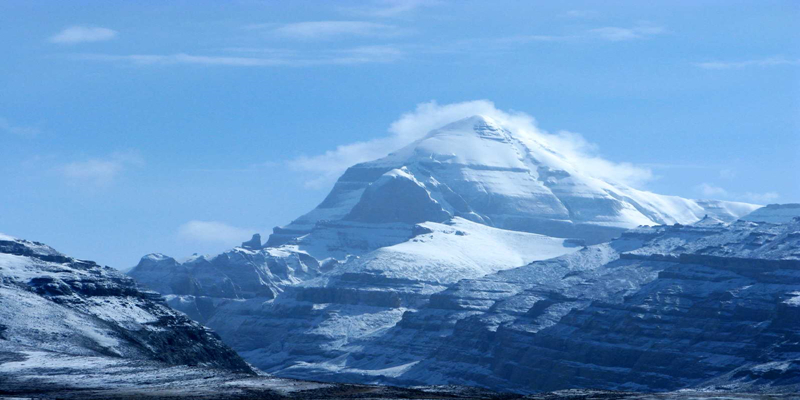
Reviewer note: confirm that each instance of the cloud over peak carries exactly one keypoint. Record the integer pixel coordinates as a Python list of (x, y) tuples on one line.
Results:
[(325, 168), (81, 34)]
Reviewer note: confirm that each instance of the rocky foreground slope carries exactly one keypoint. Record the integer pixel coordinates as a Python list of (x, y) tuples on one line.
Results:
[(57, 311)]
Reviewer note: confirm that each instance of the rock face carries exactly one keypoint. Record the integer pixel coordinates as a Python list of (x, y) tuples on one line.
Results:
[(659, 309), (54, 307), (442, 262), (192, 285), (254, 243)]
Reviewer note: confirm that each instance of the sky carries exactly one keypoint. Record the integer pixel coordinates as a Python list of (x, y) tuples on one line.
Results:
[(181, 127)]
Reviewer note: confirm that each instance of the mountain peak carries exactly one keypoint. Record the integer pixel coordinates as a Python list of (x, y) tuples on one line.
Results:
[(482, 125), (478, 169)]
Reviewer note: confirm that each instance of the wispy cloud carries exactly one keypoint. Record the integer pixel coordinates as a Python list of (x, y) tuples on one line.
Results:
[(81, 34), (8, 127), (327, 30), (326, 167), (391, 8), (712, 191), (642, 30), (760, 198), (763, 62), (709, 190), (616, 34), (213, 232), (100, 171), (350, 56)]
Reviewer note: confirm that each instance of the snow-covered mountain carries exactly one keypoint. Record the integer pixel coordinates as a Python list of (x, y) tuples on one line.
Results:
[(70, 329), (74, 316), (480, 171), (367, 287), (660, 308)]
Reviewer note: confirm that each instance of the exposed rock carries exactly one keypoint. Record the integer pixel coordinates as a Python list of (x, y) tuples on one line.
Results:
[(254, 243), (53, 305)]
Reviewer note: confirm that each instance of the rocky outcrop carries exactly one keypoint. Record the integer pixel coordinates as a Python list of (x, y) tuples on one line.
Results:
[(198, 285), (627, 316), (254, 243), (53, 305)]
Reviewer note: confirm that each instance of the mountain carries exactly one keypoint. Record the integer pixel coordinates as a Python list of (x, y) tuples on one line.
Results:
[(71, 329), (775, 213), (75, 315), (660, 308), (369, 287), (478, 170)]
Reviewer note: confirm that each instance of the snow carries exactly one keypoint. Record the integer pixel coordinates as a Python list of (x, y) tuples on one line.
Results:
[(478, 169), (36, 322), (457, 250), (793, 301), (36, 359), (7, 238), (468, 234)]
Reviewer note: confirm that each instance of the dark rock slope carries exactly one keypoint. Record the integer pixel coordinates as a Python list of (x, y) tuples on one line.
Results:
[(688, 306), (57, 311)]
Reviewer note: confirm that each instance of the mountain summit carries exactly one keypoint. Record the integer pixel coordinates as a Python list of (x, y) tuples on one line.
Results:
[(481, 171)]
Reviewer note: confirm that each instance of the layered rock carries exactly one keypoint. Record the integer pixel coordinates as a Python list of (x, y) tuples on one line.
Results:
[(193, 285), (55, 308), (687, 306), (319, 323)]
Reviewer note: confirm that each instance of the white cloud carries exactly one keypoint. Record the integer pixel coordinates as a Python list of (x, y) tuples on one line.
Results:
[(709, 190), (760, 198), (100, 171), (315, 30), (7, 126), (349, 56), (325, 168), (213, 232), (81, 34), (391, 8), (642, 30), (764, 62), (712, 191)]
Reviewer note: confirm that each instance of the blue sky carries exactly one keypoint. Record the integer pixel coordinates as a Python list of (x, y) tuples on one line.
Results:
[(179, 127)]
